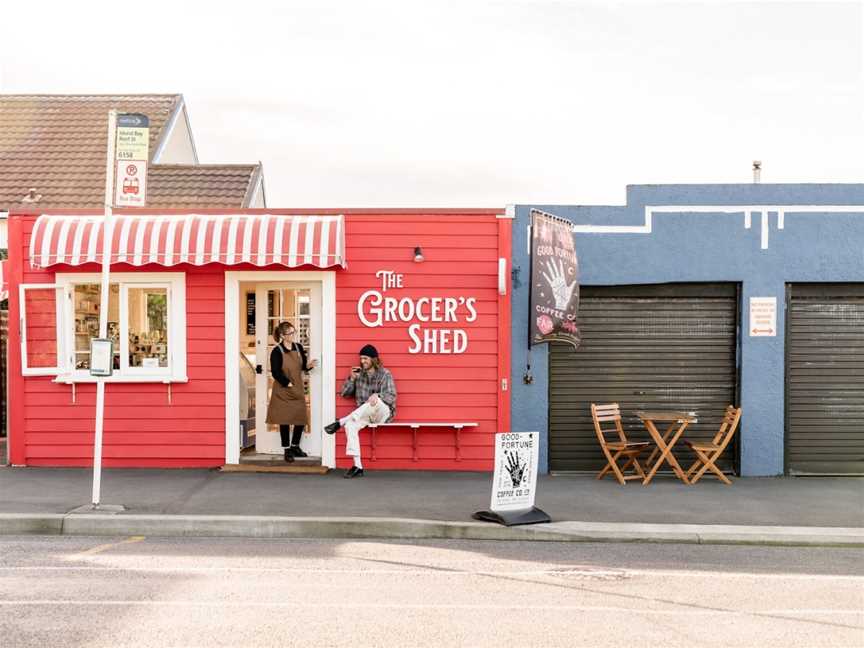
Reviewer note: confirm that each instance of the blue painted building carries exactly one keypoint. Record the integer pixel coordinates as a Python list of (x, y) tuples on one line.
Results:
[(802, 244)]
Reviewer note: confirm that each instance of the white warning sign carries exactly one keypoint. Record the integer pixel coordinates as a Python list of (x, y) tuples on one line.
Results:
[(514, 484), (130, 183), (763, 316)]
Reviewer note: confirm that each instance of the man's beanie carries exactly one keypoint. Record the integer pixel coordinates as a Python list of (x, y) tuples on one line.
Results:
[(369, 351)]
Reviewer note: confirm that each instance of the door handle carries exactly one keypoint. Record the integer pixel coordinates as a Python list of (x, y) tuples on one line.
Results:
[(259, 369)]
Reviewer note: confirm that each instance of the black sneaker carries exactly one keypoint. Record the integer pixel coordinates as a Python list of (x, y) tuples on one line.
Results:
[(352, 472), (289, 456), (333, 427), (297, 452)]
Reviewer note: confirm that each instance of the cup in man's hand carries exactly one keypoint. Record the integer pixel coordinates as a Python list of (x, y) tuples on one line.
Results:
[(355, 371)]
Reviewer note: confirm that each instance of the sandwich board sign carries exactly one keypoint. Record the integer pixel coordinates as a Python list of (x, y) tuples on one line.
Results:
[(514, 482)]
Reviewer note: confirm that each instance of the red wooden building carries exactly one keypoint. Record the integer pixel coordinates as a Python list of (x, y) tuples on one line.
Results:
[(193, 299)]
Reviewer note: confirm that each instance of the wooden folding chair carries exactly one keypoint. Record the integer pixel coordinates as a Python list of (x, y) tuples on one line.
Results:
[(708, 453), (614, 450)]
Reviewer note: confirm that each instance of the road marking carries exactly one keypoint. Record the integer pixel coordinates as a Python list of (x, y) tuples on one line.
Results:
[(562, 572), (106, 547), (415, 606)]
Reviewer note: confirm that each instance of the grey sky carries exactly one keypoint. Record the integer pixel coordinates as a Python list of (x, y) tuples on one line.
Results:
[(473, 103)]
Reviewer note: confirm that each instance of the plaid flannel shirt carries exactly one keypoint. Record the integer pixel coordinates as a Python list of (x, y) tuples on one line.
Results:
[(364, 385)]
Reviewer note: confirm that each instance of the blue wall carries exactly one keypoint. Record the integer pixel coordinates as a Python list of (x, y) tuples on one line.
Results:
[(820, 245)]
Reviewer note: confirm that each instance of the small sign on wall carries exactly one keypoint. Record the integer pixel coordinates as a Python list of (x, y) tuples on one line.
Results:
[(763, 316)]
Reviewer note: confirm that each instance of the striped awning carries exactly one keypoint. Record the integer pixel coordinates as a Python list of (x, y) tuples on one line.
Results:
[(169, 240)]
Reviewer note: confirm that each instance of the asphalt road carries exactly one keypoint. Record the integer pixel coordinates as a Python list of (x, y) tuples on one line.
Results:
[(116, 592)]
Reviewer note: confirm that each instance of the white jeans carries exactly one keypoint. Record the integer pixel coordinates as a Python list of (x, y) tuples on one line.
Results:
[(359, 419)]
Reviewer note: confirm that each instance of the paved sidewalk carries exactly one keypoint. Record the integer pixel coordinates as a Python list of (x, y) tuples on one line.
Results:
[(430, 504)]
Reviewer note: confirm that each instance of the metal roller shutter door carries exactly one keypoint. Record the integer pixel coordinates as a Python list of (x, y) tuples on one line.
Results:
[(670, 347), (825, 379)]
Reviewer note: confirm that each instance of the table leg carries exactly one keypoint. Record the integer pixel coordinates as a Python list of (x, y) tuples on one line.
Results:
[(665, 451), (665, 439)]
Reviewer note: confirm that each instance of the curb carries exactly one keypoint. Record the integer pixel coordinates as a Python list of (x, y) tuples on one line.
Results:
[(206, 526)]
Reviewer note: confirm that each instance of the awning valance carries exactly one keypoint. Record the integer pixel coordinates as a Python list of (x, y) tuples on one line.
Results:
[(168, 240)]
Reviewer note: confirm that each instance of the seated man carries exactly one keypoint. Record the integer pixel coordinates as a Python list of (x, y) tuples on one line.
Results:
[(374, 391)]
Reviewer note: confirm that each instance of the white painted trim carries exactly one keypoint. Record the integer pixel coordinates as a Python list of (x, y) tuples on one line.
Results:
[(22, 319), (502, 276), (168, 131), (764, 233), (748, 219), (327, 364), (509, 212), (176, 284), (651, 210)]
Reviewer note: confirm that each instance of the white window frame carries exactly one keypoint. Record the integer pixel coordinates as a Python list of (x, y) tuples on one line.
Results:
[(58, 307), (175, 282)]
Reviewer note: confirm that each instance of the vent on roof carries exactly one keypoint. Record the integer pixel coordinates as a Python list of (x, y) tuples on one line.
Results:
[(32, 196)]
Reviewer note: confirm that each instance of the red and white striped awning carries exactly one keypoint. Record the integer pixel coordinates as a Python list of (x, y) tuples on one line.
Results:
[(168, 240)]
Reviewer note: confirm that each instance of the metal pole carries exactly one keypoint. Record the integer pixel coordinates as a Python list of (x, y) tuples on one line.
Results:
[(107, 236)]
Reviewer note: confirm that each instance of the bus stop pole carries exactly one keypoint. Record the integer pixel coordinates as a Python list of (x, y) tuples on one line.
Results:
[(107, 237)]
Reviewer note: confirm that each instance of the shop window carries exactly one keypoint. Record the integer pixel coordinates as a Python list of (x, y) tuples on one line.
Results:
[(146, 322)]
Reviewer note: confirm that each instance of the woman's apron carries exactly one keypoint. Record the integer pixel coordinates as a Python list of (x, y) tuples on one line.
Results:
[(288, 404)]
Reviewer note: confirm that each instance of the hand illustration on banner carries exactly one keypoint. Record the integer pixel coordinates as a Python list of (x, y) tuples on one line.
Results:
[(515, 468), (558, 283)]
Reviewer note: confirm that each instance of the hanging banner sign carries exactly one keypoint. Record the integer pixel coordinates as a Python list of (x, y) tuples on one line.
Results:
[(133, 153), (514, 484), (554, 299)]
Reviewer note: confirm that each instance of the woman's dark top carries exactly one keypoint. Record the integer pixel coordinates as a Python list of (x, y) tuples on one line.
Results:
[(276, 361)]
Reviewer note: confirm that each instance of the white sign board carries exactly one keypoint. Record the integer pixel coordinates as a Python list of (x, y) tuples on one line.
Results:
[(515, 481), (131, 183), (763, 316)]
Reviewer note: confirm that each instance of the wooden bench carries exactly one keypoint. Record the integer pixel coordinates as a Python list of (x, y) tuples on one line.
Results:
[(415, 425)]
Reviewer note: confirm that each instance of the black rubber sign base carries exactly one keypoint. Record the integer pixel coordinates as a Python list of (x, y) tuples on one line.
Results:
[(532, 515)]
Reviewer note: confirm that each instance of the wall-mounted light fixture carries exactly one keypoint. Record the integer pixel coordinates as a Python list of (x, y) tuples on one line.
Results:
[(418, 254)]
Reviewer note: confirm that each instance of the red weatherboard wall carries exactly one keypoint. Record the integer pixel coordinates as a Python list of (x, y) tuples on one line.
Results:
[(143, 430), (461, 260)]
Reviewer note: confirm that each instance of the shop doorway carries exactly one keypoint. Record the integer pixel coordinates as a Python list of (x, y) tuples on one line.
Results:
[(255, 305)]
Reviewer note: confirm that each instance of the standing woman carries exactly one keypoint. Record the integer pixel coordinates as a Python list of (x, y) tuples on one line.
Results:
[(287, 407)]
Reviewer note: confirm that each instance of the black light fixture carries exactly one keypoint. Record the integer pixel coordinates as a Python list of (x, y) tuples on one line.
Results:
[(418, 254)]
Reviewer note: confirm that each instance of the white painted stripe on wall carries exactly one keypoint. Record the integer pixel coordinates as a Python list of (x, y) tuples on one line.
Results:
[(781, 218), (748, 219), (765, 230)]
